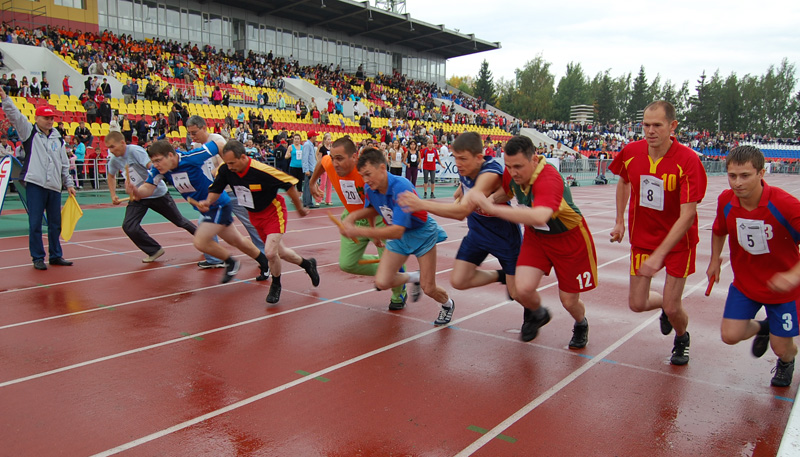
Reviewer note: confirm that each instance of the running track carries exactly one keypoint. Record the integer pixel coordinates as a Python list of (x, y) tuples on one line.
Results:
[(113, 356)]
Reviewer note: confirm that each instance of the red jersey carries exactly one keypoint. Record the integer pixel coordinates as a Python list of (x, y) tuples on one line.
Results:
[(762, 242), (658, 189), (430, 156)]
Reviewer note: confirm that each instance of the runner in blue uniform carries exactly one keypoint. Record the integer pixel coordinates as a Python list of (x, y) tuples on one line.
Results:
[(188, 173), (408, 233), (487, 234)]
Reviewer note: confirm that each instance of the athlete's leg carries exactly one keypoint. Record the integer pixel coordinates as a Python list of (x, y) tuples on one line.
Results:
[(736, 330), (466, 275), (235, 239), (388, 275), (427, 277), (527, 281), (573, 304), (673, 304), (640, 297), (204, 240)]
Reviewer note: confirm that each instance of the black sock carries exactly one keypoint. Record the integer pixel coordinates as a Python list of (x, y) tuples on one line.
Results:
[(305, 264), (229, 261), (501, 276), (582, 323), (262, 261), (539, 312), (276, 280)]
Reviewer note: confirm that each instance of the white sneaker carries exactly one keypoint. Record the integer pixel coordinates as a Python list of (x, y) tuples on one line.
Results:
[(152, 258)]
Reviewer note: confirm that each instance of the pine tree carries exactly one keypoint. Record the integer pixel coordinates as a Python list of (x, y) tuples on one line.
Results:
[(484, 86)]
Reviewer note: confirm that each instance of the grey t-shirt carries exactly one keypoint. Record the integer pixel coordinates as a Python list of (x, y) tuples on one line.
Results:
[(136, 158)]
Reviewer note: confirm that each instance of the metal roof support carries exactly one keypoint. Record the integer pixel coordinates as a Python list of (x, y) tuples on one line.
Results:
[(333, 19)]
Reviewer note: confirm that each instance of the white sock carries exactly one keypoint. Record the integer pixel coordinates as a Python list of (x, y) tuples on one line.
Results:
[(448, 303), (413, 276)]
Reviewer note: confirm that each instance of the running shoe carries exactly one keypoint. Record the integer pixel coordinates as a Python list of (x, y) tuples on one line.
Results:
[(783, 373), (531, 325), (230, 270), (445, 314), (680, 350), (263, 276), (666, 325), (580, 335), (152, 258), (312, 272), (274, 293), (396, 306), (761, 340), (416, 291), (205, 264)]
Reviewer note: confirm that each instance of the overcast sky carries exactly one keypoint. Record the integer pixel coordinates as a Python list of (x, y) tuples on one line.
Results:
[(677, 39)]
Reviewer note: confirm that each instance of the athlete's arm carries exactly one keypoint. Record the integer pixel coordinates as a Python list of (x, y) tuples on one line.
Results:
[(623, 194), (538, 215), (715, 264), (112, 188), (656, 260), (785, 281), (205, 205), (296, 201), (138, 193)]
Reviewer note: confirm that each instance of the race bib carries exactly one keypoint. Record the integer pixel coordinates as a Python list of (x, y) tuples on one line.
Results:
[(135, 178), (350, 192), (387, 213), (244, 196), (398, 156), (430, 157), (752, 236), (413, 158), (651, 193), (208, 169), (182, 183)]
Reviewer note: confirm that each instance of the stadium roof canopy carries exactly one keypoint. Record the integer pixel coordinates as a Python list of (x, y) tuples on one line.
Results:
[(360, 19)]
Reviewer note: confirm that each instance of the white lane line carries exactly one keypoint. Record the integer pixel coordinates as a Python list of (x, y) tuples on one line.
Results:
[(511, 420)]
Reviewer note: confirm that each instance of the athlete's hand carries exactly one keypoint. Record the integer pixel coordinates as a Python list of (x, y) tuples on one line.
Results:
[(618, 233), (2, 94), (651, 266), (203, 206), (478, 200), (410, 202), (714, 269), (115, 200), (302, 211), (459, 192), (70, 190), (131, 190), (378, 243), (316, 192), (784, 281)]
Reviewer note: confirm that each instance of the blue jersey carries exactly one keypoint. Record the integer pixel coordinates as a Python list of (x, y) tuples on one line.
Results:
[(193, 175), (488, 227), (387, 206)]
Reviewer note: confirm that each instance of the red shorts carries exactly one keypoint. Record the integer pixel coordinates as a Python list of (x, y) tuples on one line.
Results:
[(272, 219), (679, 264), (571, 254)]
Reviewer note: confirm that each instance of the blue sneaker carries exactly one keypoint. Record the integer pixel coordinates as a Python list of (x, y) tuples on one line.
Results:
[(445, 315)]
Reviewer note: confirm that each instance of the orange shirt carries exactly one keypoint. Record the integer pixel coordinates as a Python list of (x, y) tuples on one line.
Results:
[(350, 188)]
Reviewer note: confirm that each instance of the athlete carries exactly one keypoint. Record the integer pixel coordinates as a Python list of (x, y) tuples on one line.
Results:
[(764, 224), (256, 186), (556, 237), (340, 166), (187, 172), (487, 234), (198, 131), (408, 233), (664, 181), (135, 163)]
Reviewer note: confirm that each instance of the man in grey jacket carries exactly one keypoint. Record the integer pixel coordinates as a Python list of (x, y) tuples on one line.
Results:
[(45, 171), (309, 163)]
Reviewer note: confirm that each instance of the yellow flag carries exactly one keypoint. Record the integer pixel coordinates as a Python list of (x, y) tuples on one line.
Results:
[(70, 214)]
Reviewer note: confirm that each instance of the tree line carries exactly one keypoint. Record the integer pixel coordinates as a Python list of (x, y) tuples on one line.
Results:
[(765, 104)]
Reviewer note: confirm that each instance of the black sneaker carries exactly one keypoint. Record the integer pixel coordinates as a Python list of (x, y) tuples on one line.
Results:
[(274, 293), (263, 276), (205, 264), (580, 335), (680, 351), (39, 264), (445, 314), (531, 325), (783, 373), (666, 325), (761, 340), (397, 306), (60, 261), (312, 272), (230, 270)]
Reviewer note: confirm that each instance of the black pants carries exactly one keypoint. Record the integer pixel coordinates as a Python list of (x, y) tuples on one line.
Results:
[(134, 213), (297, 173)]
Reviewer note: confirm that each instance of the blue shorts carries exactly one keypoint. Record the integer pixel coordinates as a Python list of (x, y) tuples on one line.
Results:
[(782, 317), (222, 215), (419, 241), (475, 247)]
